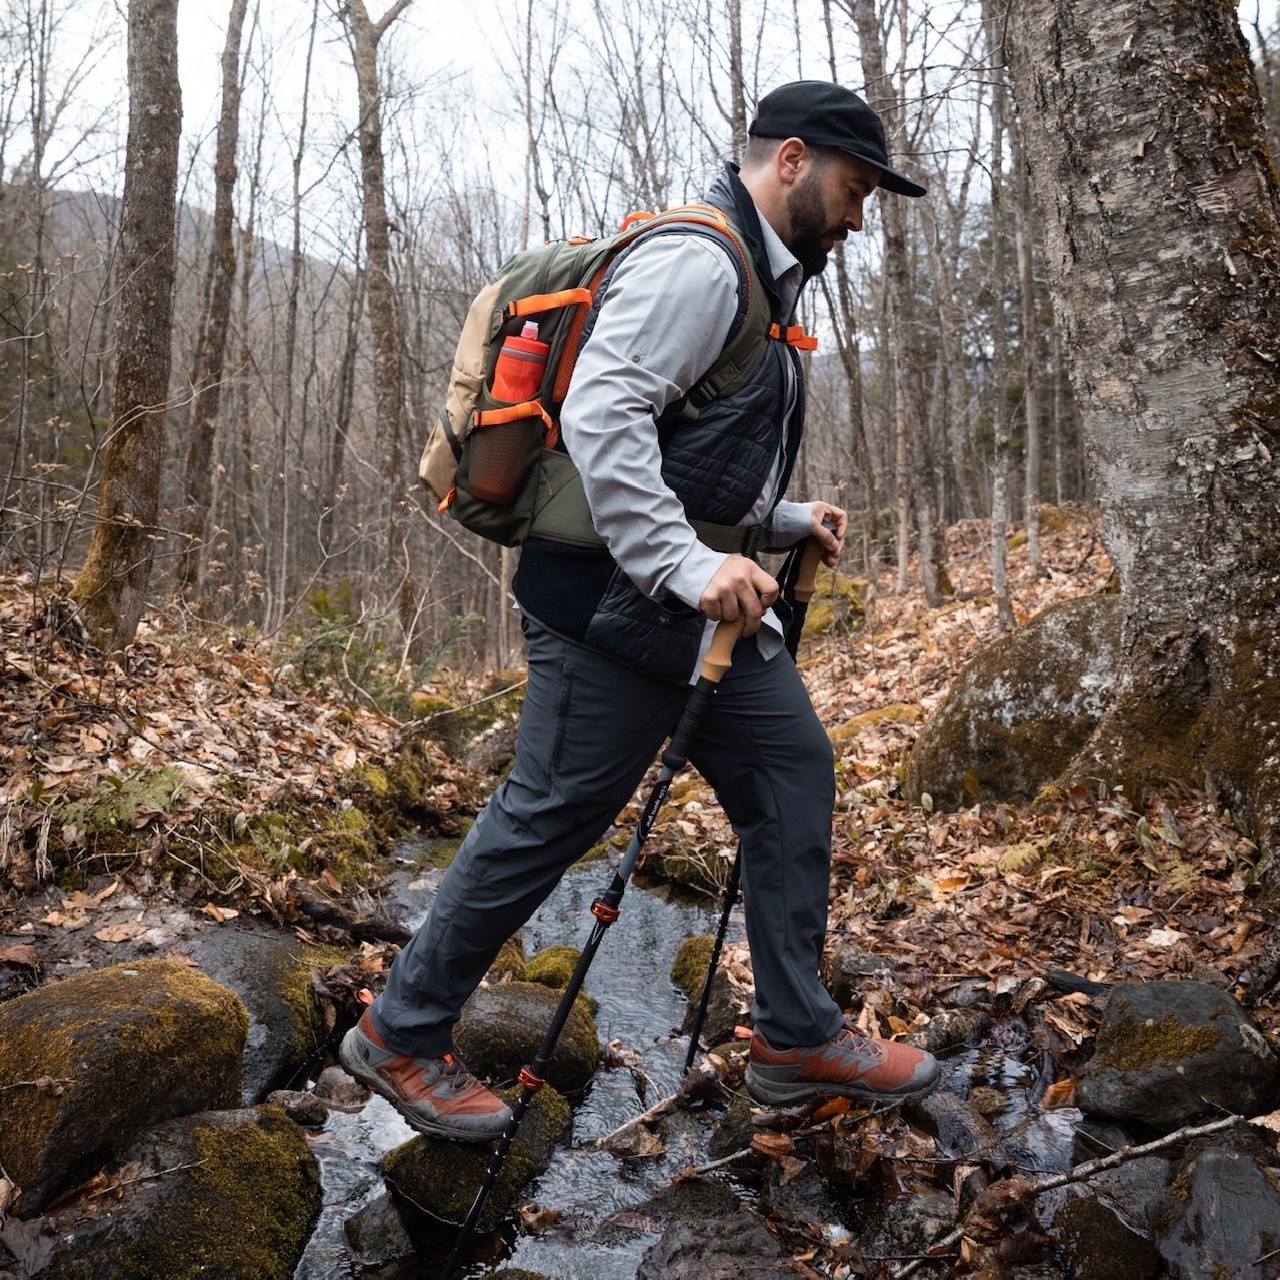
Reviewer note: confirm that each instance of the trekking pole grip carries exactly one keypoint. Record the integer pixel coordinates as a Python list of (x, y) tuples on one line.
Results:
[(808, 572), (720, 656)]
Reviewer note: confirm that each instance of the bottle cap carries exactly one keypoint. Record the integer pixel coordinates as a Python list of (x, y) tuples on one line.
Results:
[(530, 329)]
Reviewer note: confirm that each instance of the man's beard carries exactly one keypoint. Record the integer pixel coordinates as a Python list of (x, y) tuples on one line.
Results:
[(809, 226)]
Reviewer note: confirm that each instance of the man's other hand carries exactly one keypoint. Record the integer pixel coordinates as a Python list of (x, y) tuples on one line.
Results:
[(740, 587), (828, 525)]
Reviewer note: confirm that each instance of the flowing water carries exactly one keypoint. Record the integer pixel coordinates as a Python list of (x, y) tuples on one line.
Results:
[(630, 978), (596, 1237)]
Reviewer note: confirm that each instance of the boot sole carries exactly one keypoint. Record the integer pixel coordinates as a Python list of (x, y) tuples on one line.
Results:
[(357, 1070), (778, 1093)]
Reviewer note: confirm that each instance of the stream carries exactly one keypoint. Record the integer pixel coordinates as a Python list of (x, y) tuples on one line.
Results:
[(639, 1007)]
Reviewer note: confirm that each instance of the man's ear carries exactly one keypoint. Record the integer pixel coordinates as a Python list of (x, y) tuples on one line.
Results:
[(790, 160)]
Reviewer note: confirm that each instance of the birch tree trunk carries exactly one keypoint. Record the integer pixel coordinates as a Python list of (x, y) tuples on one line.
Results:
[(111, 587), (206, 378), (1145, 136)]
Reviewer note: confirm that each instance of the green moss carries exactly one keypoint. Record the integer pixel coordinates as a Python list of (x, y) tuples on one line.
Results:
[(693, 959), (1134, 1046), (375, 779), (139, 1043), (443, 1176), (297, 989), (553, 967), (116, 804), (244, 1207), (509, 963)]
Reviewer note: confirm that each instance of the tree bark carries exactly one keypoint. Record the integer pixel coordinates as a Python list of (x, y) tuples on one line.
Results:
[(903, 338), (111, 587), (383, 320), (1145, 135), (206, 377)]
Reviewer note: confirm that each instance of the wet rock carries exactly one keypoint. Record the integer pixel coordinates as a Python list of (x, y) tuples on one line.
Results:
[(271, 973), (1138, 1190), (339, 1092), (230, 1193), (845, 970), (1022, 708), (502, 1028), (376, 1235), (709, 1235), (910, 1224), (302, 1108), (1096, 1242), (1228, 1212), (1097, 1137), (137, 1045), (1168, 1052), (443, 1177), (804, 1198), (960, 1131), (519, 1273), (734, 1129), (950, 1028)]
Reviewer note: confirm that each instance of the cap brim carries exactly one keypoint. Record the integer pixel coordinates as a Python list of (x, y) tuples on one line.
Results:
[(890, 179)]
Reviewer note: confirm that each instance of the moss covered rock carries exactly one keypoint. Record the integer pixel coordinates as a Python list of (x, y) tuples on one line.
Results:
[(553, 966), (509, 964), (443, 1177), (220, 1195), (135, 1046), (272, 975), (1168, 1052), (689, 969), (1019, 712), (502, 1028)]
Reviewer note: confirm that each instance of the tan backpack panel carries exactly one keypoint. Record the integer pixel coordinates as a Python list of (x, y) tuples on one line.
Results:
[(439, 462)]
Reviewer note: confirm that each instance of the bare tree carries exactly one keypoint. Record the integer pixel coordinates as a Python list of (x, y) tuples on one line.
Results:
[(111, 587), (206, 377)]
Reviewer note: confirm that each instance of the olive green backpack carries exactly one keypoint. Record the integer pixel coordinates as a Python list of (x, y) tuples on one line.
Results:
[(556, 283)]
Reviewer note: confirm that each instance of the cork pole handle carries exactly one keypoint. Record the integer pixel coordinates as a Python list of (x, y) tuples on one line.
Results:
[(720, 655), (805, 578)]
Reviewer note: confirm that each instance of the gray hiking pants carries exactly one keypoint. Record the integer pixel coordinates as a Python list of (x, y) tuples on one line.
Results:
[(589, 730)]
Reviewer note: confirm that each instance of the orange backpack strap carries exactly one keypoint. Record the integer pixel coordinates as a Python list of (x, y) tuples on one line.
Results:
[(536, 303), (794, 336)]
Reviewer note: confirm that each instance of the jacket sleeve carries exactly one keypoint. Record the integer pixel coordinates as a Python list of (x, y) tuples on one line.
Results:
[(662, 324)]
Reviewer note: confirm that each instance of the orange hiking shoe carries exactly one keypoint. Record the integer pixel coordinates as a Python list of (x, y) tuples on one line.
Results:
[(849, 1065), (437, 1096)]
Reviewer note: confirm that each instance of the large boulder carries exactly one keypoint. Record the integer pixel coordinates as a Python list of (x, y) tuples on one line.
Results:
[(502, 1028), (1168, 1052), (1020, 710), (1227, 1222), (89, 1064), (271, 973), (443, 1177), (218, 1195)]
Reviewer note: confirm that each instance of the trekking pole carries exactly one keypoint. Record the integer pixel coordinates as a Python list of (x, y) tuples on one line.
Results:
[(801, 594), (605, 909)]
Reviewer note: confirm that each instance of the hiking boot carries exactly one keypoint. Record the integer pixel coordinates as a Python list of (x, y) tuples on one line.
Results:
[(438, 1096), (849, 1065)]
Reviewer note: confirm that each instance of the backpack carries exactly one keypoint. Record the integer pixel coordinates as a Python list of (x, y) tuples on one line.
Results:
[(538, 490)]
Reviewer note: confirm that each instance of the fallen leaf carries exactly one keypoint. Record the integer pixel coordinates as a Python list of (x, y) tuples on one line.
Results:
[(537, 1221), (121, 932), (776, 1146), (22, 954), (331, 881), (1062, 1093), (219, 913)]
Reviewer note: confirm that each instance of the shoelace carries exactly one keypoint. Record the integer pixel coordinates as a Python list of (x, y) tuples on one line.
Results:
[(863, 1043), (454, 1073)]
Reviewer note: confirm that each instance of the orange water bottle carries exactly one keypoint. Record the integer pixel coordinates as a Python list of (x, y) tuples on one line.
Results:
[(517, 376)]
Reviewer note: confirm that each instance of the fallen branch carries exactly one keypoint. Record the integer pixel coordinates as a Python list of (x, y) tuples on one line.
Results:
[(1038, 1186), (45, 1084)]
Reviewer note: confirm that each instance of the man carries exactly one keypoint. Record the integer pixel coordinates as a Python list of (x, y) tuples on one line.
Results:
[(614, 635)]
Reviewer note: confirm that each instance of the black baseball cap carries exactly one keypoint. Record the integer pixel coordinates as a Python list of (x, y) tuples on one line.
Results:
[(826, 115)]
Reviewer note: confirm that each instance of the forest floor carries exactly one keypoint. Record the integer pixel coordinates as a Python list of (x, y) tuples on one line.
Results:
[(248, 776)]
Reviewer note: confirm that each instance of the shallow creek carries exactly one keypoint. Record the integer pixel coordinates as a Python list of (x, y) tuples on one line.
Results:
[(597, 1238)]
